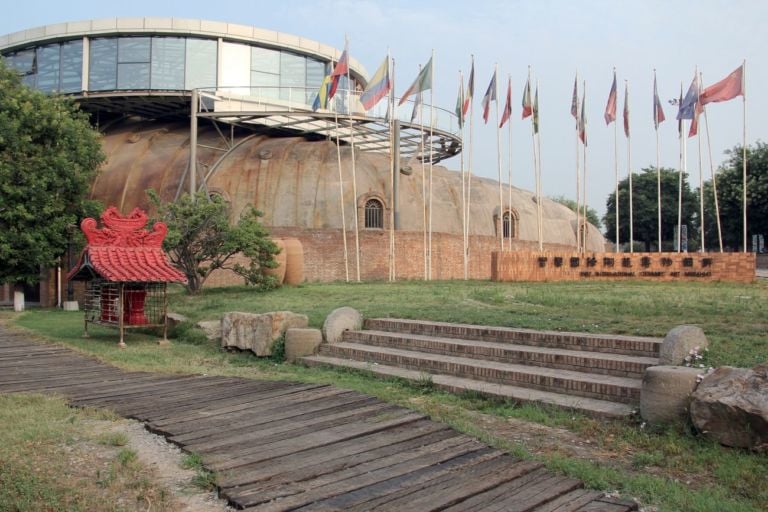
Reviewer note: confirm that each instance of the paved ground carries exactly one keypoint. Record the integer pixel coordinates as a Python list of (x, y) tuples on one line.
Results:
[(289, 446)]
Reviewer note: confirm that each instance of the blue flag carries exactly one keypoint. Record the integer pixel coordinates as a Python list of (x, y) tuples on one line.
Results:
[(687, 107)]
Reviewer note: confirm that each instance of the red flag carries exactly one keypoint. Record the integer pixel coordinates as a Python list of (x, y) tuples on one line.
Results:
[(726, 89), (626, 110), (610, 107), (508, 105), (575, 100), (470, 89), (527, 107), (341, 69), (490, 95), (658, 112)]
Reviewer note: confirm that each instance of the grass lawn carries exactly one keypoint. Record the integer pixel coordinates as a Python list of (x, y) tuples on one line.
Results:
[(669, 468)]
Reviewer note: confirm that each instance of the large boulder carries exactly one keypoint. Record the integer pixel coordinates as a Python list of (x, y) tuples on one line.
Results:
[(258, 332), (665, 394), (340, 320), (681, 342), (731, 406), (301, 342)]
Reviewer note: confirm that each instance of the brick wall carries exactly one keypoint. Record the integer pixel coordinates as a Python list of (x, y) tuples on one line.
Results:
[(572, 266)]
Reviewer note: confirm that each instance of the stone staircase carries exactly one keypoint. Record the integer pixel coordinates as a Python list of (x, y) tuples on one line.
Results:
[(597, 374)]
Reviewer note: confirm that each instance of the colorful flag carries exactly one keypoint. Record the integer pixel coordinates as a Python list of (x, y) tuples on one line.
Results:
[(490, 95), (575, 99), (378, 87), (470, 89), (726, 89), (527, 108), (422, 83), (508, 105), (688, 105), (658, 112), (694, 130), (416, 107), (583, 119), (536, 111), (460, 103), (321, 99), (341, 69), (610, 107), (626, 110)]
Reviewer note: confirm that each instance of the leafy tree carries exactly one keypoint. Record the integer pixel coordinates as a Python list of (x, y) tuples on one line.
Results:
[(48, 156), (730, 201), (201, 239), (645, 208), (592, 216)]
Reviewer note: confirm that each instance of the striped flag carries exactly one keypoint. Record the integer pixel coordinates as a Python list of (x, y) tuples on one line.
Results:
[(610, 107), (687, 107), (658, 112), (583, 119), (460, 104), (508, 105), (416, 107), (694, 130), (341, 69), (726, 89), (626, 110), (575, 99), (378, 87), (470, 89), (527, 108), (321, 99), (422, 82), (490, 95), (536, 111)]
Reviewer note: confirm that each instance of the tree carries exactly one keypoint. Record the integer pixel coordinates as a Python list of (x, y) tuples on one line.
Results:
[(201, 239), (592, 217), (646, 211), (730, 201), (48, 156)]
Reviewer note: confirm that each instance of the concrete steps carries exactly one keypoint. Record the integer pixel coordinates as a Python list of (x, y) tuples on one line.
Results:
[(599, 375)]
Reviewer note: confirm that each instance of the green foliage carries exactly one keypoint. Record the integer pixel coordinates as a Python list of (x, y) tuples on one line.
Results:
[(646, 211), (48, 156), (592, 217), (201, 239), (730, 198)]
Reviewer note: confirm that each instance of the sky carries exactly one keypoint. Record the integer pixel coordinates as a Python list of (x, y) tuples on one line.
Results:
[(556, 38)]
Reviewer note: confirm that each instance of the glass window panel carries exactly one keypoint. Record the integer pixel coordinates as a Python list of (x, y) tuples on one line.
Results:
[(168, 63), (265, 60), (102, 75), (201, 64), (133, 76), (265, 85), (315, 75), (293, 76), (48, 68), (133, 49), (22, 61), (71, 66)]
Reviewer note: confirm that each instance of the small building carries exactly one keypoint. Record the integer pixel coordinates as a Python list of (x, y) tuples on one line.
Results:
[(126, 272)]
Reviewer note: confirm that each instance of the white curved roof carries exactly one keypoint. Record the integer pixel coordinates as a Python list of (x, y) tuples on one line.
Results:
[(177, 26)]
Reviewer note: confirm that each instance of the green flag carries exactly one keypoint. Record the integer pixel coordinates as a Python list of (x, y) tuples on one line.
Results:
[(536, 111)]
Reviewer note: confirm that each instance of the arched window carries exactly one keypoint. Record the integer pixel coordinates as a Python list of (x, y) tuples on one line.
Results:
[(374, 214), (508, 224)]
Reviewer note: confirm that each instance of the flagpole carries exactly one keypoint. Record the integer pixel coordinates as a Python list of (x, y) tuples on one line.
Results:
[(354, 172), (509, 184), (533, 143), (423, 181), (469, 175), (431, 151), (460, 115), (616, 168), (341, 193), (680, 128), (583, 233), (629, 171), (658, 154), (744, 150), (701, 170), (714, 182), (578, 184), (395, 167), (498, 159), (538, 173)]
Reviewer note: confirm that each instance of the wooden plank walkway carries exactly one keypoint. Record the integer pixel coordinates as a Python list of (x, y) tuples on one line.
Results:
[(290, 446)]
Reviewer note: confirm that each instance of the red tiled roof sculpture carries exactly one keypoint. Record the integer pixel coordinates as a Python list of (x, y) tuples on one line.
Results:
[(123, 251)]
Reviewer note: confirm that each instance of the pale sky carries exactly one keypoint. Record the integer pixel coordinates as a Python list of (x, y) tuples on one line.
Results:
[(556, 38)]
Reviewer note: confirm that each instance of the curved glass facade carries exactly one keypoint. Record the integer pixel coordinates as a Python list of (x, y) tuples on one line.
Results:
[(167, 63)]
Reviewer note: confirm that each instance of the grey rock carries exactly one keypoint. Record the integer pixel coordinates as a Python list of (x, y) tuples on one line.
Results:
[(731, 406), (301, 342), (258, 332), (211, 328), (174, 319), (679, 342), (340, 320), (665, 394)]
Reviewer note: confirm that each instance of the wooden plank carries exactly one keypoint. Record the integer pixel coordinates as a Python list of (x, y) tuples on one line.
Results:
[(606, 504), (353, 450), (532, 496), (571, 501)]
